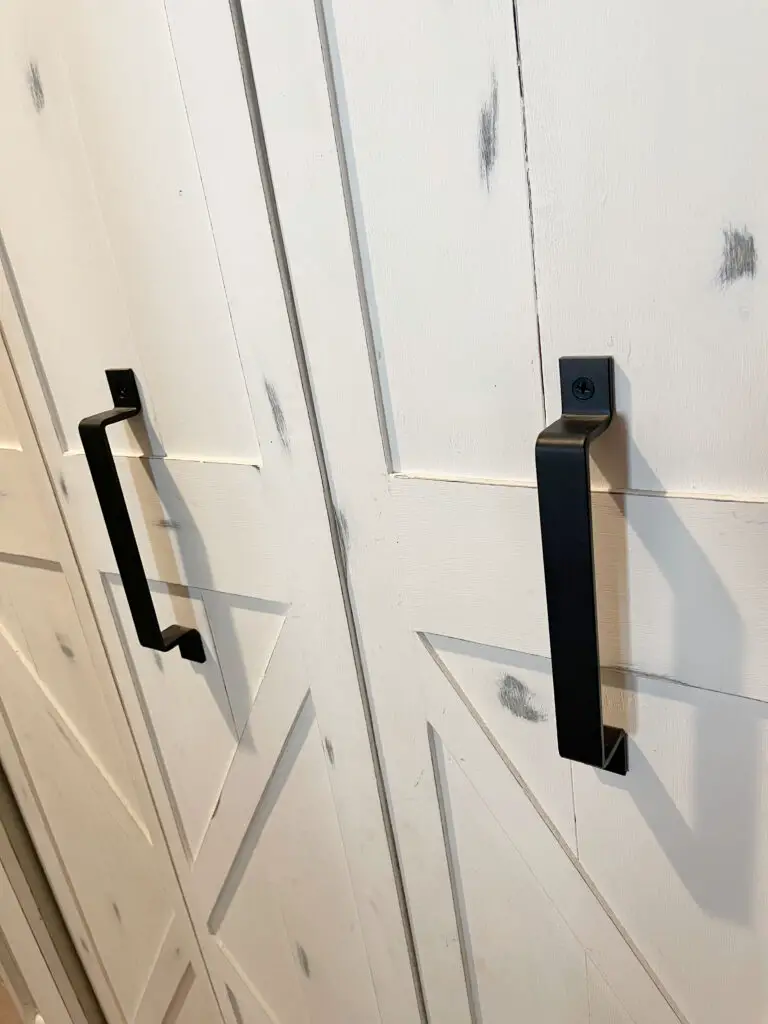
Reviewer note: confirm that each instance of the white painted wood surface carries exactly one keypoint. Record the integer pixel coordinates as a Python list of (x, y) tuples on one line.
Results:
[(661, 875), (259, 760), (648, 150)]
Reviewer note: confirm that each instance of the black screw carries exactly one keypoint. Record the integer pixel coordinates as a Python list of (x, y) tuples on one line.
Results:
[(583, 388)]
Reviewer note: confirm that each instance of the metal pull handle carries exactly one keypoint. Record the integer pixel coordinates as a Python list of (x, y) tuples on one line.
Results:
[(562, 470), (101, 462)]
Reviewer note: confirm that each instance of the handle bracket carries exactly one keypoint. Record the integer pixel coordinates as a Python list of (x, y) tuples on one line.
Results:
[(101, 462), (565, 511)]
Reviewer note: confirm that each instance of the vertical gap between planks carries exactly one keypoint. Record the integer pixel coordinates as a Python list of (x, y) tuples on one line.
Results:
[(257, 128), (532, 229)]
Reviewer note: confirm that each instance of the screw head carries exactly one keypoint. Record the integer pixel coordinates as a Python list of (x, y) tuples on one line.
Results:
[(583, 388)]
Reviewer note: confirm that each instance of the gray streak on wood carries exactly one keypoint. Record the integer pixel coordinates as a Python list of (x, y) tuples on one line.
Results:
[(237, 1013), (487, 134), (739, 256), (303, 959), (35, 86), (278, 415), (66, 649)]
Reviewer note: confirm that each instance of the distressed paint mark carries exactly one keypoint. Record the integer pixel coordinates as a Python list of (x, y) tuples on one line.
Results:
[(63, 486), (303, 959), (342, 527), (66, 650), (488, 133), (168, 524), (86, 948), (330, 751), (517, 698), (35, 86), (237, 1013), (63, 732), (739, 256), (118, 915), (278, 415)]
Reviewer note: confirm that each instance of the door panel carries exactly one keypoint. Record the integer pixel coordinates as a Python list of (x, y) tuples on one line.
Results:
[(259, 759), (443, 556)]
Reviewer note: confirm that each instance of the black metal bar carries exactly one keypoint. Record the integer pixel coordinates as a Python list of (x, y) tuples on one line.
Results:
[(565, 510), (93, 434)]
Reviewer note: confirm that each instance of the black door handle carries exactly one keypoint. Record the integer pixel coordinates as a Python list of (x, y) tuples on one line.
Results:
[(565, 510), (101, 462)]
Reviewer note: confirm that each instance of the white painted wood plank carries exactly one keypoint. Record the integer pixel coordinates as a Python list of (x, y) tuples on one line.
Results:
[(294, 840), (187, 709), (245, 631), (176, 994), (317, 901), (648, 160), (680, 581), (511, 696), (429, 107), (168, 975), (258, 946), (24, 526), (679, 847), (39, 614), (524, 959), (9, 435), (280, 696), (604, 1007), (196, 1004), (570, 891), (243, 1003), (177, 508)]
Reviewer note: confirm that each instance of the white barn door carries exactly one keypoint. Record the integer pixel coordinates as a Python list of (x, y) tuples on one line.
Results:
[(468, 192), (138, 234)]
